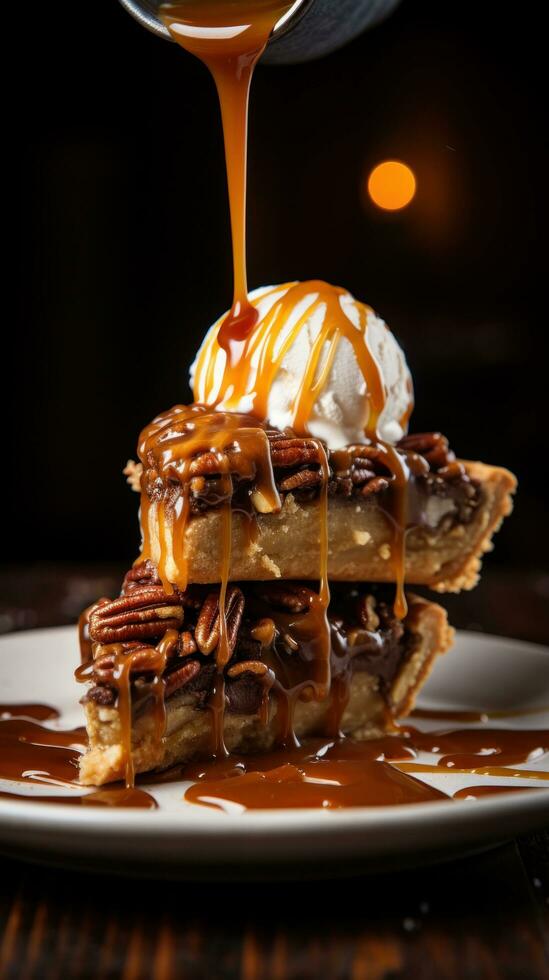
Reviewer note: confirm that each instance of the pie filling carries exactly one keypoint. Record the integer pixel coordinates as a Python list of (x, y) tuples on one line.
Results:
[(438, 486), (269, 641)]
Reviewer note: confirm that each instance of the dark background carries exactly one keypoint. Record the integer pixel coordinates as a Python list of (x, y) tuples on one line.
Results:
[(123, 257)]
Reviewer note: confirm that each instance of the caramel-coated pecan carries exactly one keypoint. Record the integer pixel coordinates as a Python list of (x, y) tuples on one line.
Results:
[(287, 596), (289, 451), (256, 667), (145, 613), (367, 612), (181, 677), (432, 445), (207, 630), (375, 485), (301, 480), (141, 659), (143, 574)]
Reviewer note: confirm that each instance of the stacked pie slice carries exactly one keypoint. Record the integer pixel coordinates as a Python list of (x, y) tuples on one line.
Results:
[(222, 638)]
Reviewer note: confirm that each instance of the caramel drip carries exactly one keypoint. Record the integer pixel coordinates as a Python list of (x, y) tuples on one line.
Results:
[(223, 652), (477, 792), (230, 38), (167, 448), (262, 352), (122, 681), (37, 754), (120, 676)]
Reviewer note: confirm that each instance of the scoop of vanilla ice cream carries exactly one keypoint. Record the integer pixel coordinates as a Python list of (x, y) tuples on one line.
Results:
[(339, 414)]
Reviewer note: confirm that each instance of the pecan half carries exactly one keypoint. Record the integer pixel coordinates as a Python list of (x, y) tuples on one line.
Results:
[(286, 596), (301, 480), (188, 645), (286, 451), (207, 630), (375, 485), (143, 660), (143, 574), (143, 614), (432, 445), (256, 667), (181, 677), (367, 612)]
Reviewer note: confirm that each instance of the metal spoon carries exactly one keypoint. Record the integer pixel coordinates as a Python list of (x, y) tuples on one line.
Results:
[(310, 28), (146, 13)]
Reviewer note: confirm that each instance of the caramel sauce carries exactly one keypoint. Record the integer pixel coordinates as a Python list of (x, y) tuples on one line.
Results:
[(37, 754), (221, 381), (448, 714), (466, 747), (168, 446), (30, 753), (38, 712), (343, 773), (326, 773), (477, 792), (230, 38), (320, 775), (153, 660)]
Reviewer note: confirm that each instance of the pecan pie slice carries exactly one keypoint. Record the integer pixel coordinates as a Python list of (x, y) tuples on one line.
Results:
[(149, 660), (453, 507)]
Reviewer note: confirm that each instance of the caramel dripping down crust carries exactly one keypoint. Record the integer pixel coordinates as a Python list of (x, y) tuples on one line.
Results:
[(377, 664)]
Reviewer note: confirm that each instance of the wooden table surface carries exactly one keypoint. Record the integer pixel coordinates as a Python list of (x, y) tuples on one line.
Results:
[(480, 917)]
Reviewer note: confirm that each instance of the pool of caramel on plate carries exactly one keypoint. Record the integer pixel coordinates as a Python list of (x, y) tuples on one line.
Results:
[(321, 773)]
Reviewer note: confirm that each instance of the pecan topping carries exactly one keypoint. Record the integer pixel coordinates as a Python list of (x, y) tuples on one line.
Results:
[(287, 596), (433, 446), (188, 646), (207, 628), (143, 659), (367, 612), (375, 485), (143, 574), (248, 667), (181, 677), (264, 632), (144, 613), (286, 451), (301, 480)]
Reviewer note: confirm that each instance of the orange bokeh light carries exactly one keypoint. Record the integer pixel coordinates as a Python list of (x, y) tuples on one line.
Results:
[(392, 185)]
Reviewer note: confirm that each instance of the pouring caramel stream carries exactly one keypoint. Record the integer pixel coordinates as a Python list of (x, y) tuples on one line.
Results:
[(229, 36)]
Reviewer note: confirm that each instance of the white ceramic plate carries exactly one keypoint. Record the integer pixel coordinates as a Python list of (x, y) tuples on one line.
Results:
[(480, 673)]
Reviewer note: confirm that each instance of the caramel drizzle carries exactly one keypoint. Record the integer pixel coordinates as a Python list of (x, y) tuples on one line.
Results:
[(153, 660), (221, 381), (237, 443), (169, 446), (230, 39)]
